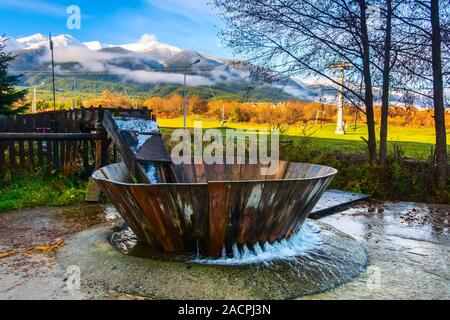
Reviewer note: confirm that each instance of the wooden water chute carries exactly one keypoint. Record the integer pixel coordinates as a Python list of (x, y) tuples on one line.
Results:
[(141, 146), (208, 209), (214, 208)]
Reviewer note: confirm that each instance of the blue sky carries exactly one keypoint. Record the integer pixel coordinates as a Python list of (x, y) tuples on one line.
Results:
[(190, 24)]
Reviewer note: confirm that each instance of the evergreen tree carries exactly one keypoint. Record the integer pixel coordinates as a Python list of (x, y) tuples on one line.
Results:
[(8, 92)]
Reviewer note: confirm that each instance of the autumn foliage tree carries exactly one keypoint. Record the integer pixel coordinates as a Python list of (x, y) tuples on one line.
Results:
[(170, 107), (197, 105)]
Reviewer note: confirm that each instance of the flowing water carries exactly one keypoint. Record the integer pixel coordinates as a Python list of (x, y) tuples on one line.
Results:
[(308, 239), (304, 241), (152, 173)]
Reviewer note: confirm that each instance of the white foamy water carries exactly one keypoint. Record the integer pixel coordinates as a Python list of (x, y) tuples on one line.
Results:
[(142, 138), (151, 173), (111, 213), (137, 125), (302, 242)]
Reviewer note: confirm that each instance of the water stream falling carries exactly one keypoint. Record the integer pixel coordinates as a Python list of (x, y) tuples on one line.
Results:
[(305, 240), (137, 125), (152, 173)]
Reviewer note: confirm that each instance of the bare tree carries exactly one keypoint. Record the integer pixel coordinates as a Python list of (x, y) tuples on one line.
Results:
[(387, 44), (367, 76), (409, 52), (438, 95), (387, 65), (426, 62), (305, 37)]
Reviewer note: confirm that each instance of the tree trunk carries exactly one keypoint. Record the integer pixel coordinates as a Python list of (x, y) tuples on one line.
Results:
[(438, 98), (386, 84), (368, 91)]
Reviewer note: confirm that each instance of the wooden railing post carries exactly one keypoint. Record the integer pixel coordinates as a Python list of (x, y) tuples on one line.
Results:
[(104, 147), (53, 139)]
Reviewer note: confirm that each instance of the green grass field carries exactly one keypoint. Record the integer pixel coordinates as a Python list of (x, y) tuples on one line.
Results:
[(414, 142)]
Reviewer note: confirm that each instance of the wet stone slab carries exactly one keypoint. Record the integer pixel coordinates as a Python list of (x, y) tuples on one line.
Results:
[(31, 271), (30, 227), (334, 200), (409, 251), (408, 246)]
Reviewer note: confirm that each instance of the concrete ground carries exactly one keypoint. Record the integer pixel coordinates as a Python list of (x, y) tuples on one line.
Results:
[(41, 250)]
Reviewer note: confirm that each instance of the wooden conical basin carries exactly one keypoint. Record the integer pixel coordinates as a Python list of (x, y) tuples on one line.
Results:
[(213, 207)]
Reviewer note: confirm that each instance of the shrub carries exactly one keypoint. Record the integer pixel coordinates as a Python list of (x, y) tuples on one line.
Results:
[(399, 179)]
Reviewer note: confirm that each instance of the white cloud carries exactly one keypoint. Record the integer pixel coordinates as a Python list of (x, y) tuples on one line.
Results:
[(156, 77), (148, 42), (221, 74), (100, 62), (148, 38), (82, 55)]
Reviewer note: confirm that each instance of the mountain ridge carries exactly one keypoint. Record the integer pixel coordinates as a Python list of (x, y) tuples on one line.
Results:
[(146, 61)]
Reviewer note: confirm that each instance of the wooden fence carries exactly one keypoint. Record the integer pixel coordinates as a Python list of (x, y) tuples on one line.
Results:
[(66, 139)]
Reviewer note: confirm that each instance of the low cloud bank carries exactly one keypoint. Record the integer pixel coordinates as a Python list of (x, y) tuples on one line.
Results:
[(120, 64)]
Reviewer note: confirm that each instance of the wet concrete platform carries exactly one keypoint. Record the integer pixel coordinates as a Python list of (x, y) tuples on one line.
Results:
[(409, 251), (334, 200), (408, 246)]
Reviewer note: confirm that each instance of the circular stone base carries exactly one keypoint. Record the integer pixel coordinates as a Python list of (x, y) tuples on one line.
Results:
[(337, 259)]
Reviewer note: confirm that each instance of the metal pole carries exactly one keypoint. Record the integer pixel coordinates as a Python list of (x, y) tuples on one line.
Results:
[(341, 67), (33, 105), (223, 116), (185, 92), (340, 113), (74, 94), (53, 72), (184, 102), (133, 103), (321, 115), (321, 107)]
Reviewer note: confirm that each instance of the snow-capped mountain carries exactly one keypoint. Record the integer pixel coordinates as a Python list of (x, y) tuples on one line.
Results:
[(13, 45), (148, 44), (39, 40), (97, 45), (146, 61), (32, 41)]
